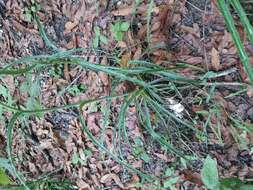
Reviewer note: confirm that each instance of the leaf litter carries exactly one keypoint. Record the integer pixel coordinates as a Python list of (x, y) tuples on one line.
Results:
[(190, 32)]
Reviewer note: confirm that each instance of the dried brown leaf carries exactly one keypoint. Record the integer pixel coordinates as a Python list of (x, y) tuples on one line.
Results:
[(66, 72), (124, 60), (156, 26), (72, 43), (142, 32), (108, 177), (9, 80), (91, 123), (137, 54), (104, 78), (82, 185), (162, 156), (192, 60), (190, 30), (80, 12), (22, 28), (164, 17), (125, 11), (70, 25), (215, 59), (95, 180), (250, 92), (130, 38), (192, 177), (137, 164), (122, 44)]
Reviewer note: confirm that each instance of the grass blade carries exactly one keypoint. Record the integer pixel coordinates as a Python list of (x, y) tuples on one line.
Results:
[(244, 19), (236, 38), (10, 128), (102, 147), (43, 34)]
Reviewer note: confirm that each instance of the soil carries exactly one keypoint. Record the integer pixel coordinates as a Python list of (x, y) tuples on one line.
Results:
[(46, 145)]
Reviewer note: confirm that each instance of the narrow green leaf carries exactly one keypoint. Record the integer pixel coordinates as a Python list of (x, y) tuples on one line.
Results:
[(97, 31), (75, 158), (3, 91), (223, 6), (244, 19), (10, 128), (43, 34), (34, 90), (95, 42), (145, 157)]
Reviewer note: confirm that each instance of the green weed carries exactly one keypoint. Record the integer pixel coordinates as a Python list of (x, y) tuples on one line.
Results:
[(29, 11), (170, 181), (210, 178), (77, 89), (4, 178), (118, 29), (76, 159), (240, 132), (99, 38), (152, 86), (42, 184), (139, 150)]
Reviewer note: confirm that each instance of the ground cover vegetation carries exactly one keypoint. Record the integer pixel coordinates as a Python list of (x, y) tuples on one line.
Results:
[(126, 94)]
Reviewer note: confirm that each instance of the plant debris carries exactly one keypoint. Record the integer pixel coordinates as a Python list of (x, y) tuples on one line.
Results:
[(165, 87)]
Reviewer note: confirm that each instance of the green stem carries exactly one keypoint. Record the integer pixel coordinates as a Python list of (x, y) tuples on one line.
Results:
[(236, 37), (10, 128), (244, 19)]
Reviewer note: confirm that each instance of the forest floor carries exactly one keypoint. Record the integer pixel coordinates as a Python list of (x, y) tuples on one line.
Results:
[(188, 37)]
